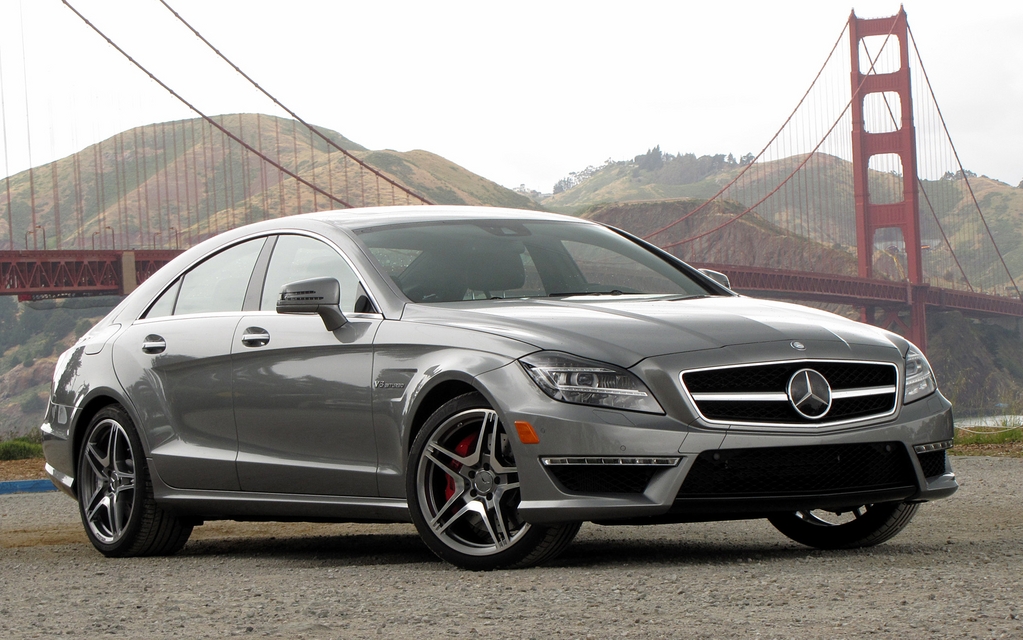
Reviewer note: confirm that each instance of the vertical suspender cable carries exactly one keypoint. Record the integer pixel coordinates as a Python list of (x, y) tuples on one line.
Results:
[(7, 166), (188, 191), (280, 174), (79, 199), (289, 111), (190, 105), (312, 167), (56, 203), (262, 167), (28, 137)]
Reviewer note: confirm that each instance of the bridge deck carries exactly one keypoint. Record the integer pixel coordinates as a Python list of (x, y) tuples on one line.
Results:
[(51, 274)]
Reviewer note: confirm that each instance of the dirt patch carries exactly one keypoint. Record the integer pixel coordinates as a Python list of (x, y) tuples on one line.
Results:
[(30, 469), (1000, 450)]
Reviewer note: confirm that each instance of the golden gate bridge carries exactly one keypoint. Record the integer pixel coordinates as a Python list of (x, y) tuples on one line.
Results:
[(863, 174)]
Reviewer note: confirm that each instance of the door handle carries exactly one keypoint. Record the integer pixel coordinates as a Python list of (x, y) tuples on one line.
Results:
[(255, 337), (152, 344)]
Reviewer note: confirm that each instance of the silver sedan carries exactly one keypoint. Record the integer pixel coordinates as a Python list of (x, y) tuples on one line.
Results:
[(494, 376)]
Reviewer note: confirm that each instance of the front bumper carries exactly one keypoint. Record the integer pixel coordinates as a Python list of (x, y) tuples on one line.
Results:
[(588, 463)]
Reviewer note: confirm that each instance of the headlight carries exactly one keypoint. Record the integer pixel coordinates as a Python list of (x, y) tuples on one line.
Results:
[(919, 378), (571, 379)]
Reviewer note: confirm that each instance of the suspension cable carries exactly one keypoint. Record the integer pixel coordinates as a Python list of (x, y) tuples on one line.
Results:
[(944, 126), (200, 113), (801, 164), (294, 115), (762, 151)]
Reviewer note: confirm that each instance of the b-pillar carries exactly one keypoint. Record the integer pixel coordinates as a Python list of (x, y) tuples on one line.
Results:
[(904, 215)]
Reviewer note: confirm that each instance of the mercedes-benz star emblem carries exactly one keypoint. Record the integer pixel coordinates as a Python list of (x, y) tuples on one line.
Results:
[(809, 393)]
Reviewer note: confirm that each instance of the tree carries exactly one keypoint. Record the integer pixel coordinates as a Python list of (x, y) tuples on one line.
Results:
[(747, 159), (652, 160), (10, 331)]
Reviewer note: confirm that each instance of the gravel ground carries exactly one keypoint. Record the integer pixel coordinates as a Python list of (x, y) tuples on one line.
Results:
[(957, 571)]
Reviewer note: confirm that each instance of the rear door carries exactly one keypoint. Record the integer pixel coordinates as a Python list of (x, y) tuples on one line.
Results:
[(175, 365)]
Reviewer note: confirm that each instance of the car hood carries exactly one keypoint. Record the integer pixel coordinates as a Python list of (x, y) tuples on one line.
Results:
[(624, 330)]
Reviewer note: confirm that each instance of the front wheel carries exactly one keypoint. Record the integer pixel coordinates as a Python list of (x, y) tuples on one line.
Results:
[(862, 526), (115, 493), (463, 492)]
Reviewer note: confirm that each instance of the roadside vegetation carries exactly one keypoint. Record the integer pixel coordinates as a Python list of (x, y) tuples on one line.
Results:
[(22, 448)]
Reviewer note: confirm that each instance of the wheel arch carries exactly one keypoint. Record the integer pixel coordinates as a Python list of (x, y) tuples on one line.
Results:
[(89, 408), (431, 400)]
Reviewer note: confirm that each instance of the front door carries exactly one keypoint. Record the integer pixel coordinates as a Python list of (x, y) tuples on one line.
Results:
[(302, 394)]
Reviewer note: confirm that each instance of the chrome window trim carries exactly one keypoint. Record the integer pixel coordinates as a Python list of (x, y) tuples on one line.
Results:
[(801, 426), (253, 236)]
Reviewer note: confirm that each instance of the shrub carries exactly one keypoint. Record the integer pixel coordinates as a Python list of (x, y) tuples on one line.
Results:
[(82, 327), (32, 404), (20, 449)]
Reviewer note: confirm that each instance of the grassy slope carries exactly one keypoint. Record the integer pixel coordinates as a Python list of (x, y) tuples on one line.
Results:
[(181, 171)]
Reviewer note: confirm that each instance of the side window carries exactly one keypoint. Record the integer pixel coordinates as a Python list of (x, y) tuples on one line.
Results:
[(219, 283), (164, 305), (301, 258)]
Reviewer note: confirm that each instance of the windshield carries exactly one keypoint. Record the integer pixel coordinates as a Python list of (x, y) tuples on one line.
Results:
[(453, 261)]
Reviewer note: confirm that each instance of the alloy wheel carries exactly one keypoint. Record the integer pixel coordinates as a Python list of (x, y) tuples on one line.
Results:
[(108, 481), (468, 484)]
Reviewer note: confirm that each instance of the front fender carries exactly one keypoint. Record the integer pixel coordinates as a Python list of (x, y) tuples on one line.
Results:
[(411, 362)]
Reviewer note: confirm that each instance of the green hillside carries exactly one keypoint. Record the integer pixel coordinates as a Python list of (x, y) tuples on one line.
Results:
[(818, 203), (168, 183)]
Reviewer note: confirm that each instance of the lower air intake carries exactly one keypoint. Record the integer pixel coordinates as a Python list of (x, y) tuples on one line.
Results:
[(809, 470)]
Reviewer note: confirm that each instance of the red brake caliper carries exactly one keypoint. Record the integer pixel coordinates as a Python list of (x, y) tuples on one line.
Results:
[(461, 449)]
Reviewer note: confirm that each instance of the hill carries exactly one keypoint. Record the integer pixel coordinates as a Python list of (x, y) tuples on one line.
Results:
[(749, 241), (189, 180), (803, 208)]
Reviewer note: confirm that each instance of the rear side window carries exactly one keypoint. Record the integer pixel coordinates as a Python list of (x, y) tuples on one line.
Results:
[(219, 283)]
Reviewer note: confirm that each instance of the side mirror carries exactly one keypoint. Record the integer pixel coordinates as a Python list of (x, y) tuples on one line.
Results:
[(318, 295), (717, 277)]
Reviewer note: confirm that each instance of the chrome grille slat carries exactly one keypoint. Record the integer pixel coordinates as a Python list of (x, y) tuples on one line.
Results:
[(755, 394)]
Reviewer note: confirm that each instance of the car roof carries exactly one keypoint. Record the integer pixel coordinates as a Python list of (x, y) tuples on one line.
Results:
[(355, 219)]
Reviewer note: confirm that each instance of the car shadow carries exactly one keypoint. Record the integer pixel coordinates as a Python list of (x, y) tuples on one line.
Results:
[(610, 553), (349, 550)]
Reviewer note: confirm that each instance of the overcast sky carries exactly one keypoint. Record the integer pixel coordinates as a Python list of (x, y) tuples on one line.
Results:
[(520, 92)]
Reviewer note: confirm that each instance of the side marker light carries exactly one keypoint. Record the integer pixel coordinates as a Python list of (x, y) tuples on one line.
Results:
[(527, 435)]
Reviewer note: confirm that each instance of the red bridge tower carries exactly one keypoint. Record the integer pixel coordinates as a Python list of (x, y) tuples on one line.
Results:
[(903, 215)]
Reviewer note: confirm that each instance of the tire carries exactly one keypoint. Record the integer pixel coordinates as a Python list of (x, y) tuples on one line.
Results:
[(463, 492), (863, 526), (115, 492)]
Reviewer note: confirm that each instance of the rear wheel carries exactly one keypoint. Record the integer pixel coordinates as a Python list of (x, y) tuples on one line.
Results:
[(463, 491), (115, 493), (863, 526)]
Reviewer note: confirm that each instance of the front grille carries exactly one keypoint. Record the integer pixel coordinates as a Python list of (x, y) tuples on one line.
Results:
[(581, 478), (932, 462), (757, 394), (805, 470)]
